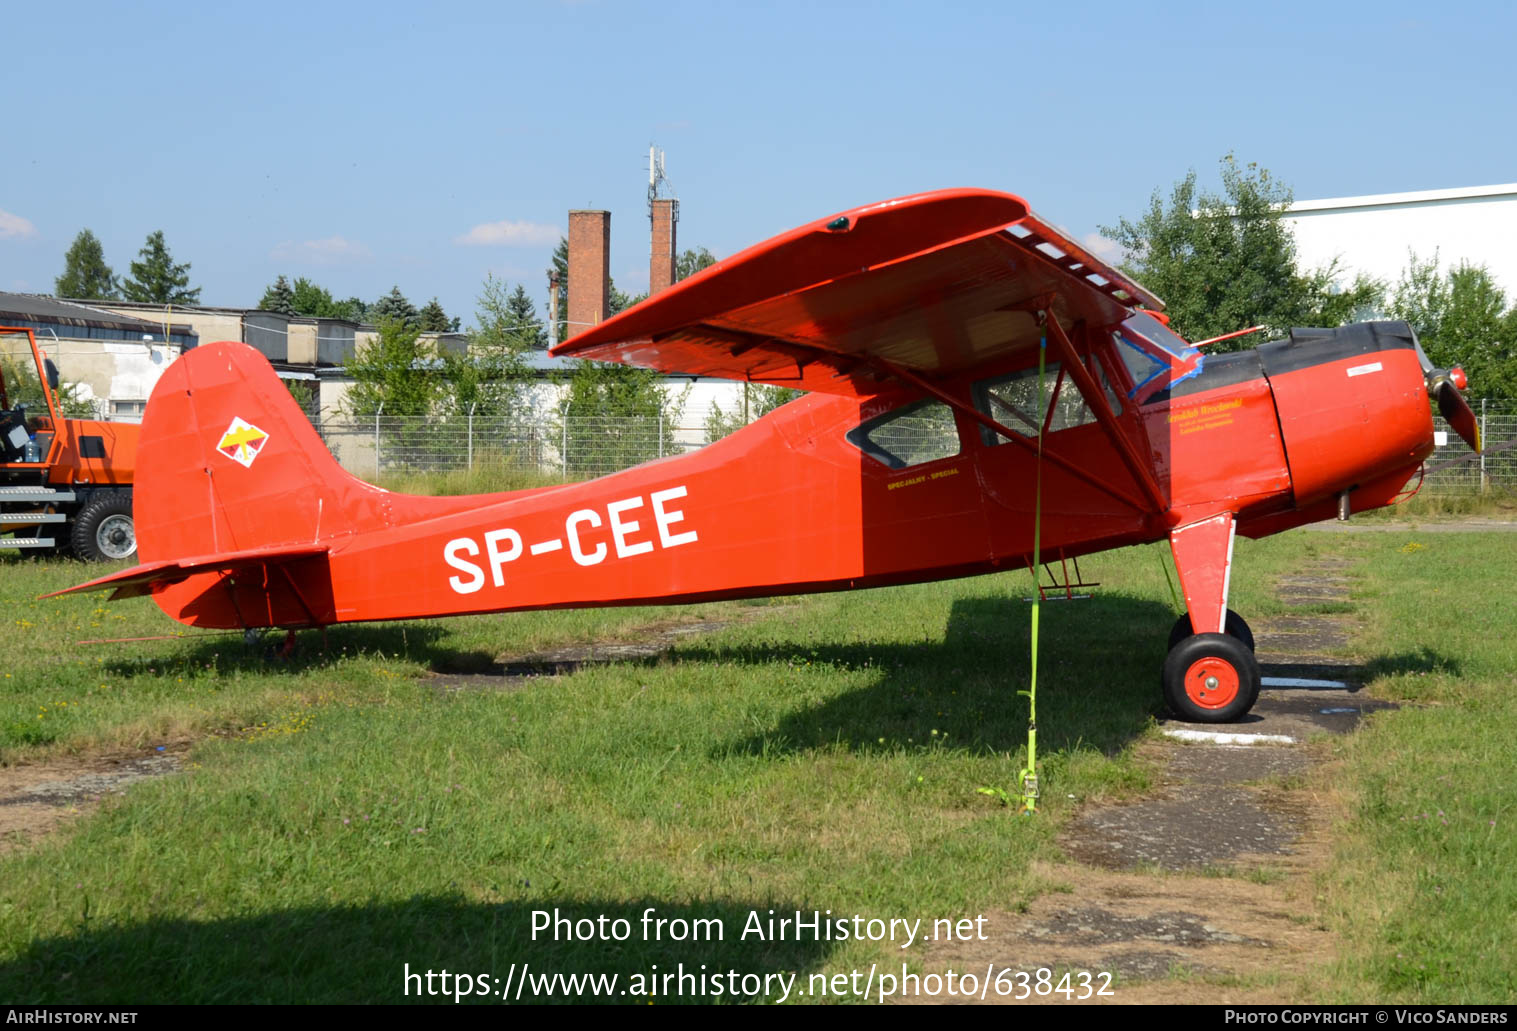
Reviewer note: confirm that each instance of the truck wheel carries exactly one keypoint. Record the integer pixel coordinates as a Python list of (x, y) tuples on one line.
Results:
[(1211, 678), (103, 530)]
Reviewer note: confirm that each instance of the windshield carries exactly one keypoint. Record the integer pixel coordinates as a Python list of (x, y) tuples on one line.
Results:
[(19, 369), (1150, 351)]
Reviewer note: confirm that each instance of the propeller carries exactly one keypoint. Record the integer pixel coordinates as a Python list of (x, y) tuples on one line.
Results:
[(1444, 386)]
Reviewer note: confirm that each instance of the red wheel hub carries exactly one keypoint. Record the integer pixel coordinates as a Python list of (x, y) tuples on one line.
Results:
[(1212, 683)]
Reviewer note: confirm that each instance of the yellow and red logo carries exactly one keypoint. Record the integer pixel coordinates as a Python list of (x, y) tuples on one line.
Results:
[(242, 442)]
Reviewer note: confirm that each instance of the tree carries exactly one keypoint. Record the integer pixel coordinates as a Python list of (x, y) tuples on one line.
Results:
[(492, 378), (86, 276), (560, 267), (1461, 318), (433, 319), (759, 399), (394, 306), (156, 279), (692, 261), (278, 297), (310, 299), (617, 416), (522, 314), (1227, 261), (394, 370)]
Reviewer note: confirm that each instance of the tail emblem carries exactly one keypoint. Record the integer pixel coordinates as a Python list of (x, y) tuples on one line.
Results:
[(242, 442)]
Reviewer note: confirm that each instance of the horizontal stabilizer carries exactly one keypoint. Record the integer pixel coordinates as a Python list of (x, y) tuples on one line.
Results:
[(148, 577)]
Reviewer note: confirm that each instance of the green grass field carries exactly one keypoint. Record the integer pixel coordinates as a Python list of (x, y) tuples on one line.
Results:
[(340, 817)]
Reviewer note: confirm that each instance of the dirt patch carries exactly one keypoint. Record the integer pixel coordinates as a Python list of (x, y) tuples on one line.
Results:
[(1163, 938), (511, 673), (38, 798)]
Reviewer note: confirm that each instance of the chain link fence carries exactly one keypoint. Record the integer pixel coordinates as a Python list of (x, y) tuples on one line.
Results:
[(1454, 468), (575, 448), (583, 447)]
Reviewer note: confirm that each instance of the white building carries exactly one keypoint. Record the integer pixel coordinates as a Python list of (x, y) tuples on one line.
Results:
[(1374, 234)]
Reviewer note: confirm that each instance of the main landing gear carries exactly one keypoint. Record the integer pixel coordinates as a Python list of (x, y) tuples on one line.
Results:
[(1212, 676)]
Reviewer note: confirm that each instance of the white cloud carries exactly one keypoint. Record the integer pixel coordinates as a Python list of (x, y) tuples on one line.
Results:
[(1109, 251), (509, 234), (332, 250), (15, 226)]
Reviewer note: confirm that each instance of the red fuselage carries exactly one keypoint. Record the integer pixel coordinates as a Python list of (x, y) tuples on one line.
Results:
[(825, 493)]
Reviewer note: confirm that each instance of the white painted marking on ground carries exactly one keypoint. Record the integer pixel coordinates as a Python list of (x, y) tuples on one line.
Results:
[(1219, 738), (1302, 682), (543, 547), (1335, 711)]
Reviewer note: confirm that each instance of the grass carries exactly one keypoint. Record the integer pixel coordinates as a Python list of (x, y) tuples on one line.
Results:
[(1424, 882), (1443, 505), (342, 818), (487, 475)]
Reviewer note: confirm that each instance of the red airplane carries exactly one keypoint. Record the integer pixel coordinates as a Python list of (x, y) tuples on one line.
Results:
[(916, 326)]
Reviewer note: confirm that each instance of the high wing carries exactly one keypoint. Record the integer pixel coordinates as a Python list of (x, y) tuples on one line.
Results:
[(934, 284)]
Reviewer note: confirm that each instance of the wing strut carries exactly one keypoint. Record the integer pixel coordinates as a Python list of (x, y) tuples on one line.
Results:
[(1096, 398)]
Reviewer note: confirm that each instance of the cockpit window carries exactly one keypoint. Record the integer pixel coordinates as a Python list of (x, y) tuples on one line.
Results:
[(1012, 401), (917, 433)]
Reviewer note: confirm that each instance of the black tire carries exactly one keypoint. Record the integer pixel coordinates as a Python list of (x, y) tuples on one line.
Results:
[(1211, 678), (103, 530), (1235, 627)]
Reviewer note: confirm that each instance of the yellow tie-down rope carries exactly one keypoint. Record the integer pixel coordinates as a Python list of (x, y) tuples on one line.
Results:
[(1028, 780)]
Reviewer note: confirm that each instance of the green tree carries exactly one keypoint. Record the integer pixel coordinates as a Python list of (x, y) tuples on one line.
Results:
[(394, 306), (759, 399), (156, 279), (314, 300), (278, 297), (616, 416), (522, 314), (433, 319), (86, 276), (1223, 262), (394, 370), (492, 378), (692, 261), (560, 267), (1461, 318)]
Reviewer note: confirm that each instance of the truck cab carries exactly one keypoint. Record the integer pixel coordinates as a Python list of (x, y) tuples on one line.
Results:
[(65, 483)]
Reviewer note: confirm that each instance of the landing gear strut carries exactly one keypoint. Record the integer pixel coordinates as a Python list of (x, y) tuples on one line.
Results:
[(1212, 676)]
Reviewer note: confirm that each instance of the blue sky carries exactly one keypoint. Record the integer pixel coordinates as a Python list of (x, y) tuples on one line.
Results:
[(369, 145)]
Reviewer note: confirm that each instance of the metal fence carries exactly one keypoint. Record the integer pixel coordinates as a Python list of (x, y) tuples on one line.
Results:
[(588, 446), (1455, 468), (574, 447)]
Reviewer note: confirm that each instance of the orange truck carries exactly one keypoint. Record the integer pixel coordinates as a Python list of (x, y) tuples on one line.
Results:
[(65, 483)]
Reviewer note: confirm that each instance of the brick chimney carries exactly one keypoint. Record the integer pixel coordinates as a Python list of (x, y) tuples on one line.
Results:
[(665, 215), (589, 269)]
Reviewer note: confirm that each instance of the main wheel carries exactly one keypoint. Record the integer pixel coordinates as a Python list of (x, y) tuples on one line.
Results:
[(1235, 627), (103, 530), (1210, 678)]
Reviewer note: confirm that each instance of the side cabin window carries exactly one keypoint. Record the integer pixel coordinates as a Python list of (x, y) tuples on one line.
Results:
[(918, 433), (1012, 401)]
